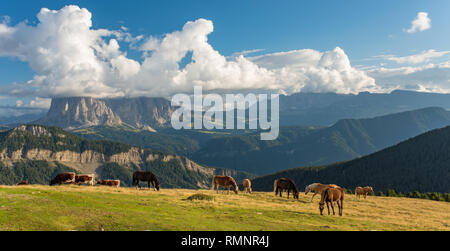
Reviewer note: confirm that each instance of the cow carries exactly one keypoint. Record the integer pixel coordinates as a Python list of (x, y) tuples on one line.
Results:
[(23, 183), (110, 183), (85, 179), (61, 178)]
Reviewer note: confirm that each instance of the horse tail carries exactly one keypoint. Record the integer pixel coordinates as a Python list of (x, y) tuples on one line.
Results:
[(275, 188), (325, 193)]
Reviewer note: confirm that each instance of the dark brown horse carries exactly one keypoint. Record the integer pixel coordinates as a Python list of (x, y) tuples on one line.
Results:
[(146, 176), (285, 184)]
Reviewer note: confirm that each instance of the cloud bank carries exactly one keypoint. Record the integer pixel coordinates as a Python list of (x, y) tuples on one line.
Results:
[(419, 58), (70, 58)]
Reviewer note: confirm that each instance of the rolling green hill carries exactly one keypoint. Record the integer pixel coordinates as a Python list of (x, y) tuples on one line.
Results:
[(418, 164), (37, 153), (311, 146)]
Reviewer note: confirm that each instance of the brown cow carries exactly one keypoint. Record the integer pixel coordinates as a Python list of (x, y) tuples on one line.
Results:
[(363, 190), (85, 179), (23, 183), (61, 178), (110, 183)]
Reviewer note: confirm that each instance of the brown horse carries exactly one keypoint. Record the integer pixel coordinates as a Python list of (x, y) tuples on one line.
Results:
[(331, 195), (146, 176), (224, 181), (285, 184), (363, 191), (247, 186)]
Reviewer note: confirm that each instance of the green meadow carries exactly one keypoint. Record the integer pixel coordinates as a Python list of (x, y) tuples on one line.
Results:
[(82, 208)]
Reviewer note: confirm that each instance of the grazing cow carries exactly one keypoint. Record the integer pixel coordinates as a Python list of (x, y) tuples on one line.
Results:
[(111, 183), (331, 195), (363, 190), (318, 188), (286, 184), (224, 181), (146, 176), (85, 179), (23, 183), (61, 178), (247, 186)]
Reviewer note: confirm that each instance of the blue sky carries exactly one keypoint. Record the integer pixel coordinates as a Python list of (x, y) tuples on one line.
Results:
[(368, 32)]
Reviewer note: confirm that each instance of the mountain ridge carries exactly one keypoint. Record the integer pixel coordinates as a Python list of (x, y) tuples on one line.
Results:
[(39, 144), (297, 146), (417, 164)]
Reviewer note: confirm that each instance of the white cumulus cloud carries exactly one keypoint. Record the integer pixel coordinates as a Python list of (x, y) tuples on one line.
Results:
[(421, 23), (70, 58)]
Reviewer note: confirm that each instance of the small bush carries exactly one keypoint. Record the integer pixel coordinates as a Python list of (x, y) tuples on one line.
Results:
[(199, 196)]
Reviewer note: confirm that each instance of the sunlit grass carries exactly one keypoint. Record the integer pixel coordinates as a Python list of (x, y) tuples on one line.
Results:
[(94, 208)]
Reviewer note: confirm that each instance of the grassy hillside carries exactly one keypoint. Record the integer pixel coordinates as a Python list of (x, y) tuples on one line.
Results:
[(418, 164), (93, 208), (312, 146)]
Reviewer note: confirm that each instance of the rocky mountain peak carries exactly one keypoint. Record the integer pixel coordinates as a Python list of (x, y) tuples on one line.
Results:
[(81, 112)]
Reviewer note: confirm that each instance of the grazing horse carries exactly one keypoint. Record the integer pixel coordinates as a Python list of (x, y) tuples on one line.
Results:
[(247, 186), (146, 176), (363, 190), (317, 188), (331, 195), (224, 181), (285, 184)]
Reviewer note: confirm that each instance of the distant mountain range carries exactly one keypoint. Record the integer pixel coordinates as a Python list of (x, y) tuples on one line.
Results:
[(37, 153), (310, 146), (418, 164), (318, 109), (328, 108)]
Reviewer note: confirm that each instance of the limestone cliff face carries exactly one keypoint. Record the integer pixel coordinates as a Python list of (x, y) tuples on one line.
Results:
[(134, 155), (80, 112)]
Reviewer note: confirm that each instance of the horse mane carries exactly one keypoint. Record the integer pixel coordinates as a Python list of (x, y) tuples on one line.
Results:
[(293, 184), (233, 182), (156, 179)]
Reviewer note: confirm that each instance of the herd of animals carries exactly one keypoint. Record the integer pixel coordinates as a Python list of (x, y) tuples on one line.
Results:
[(330, 193)]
